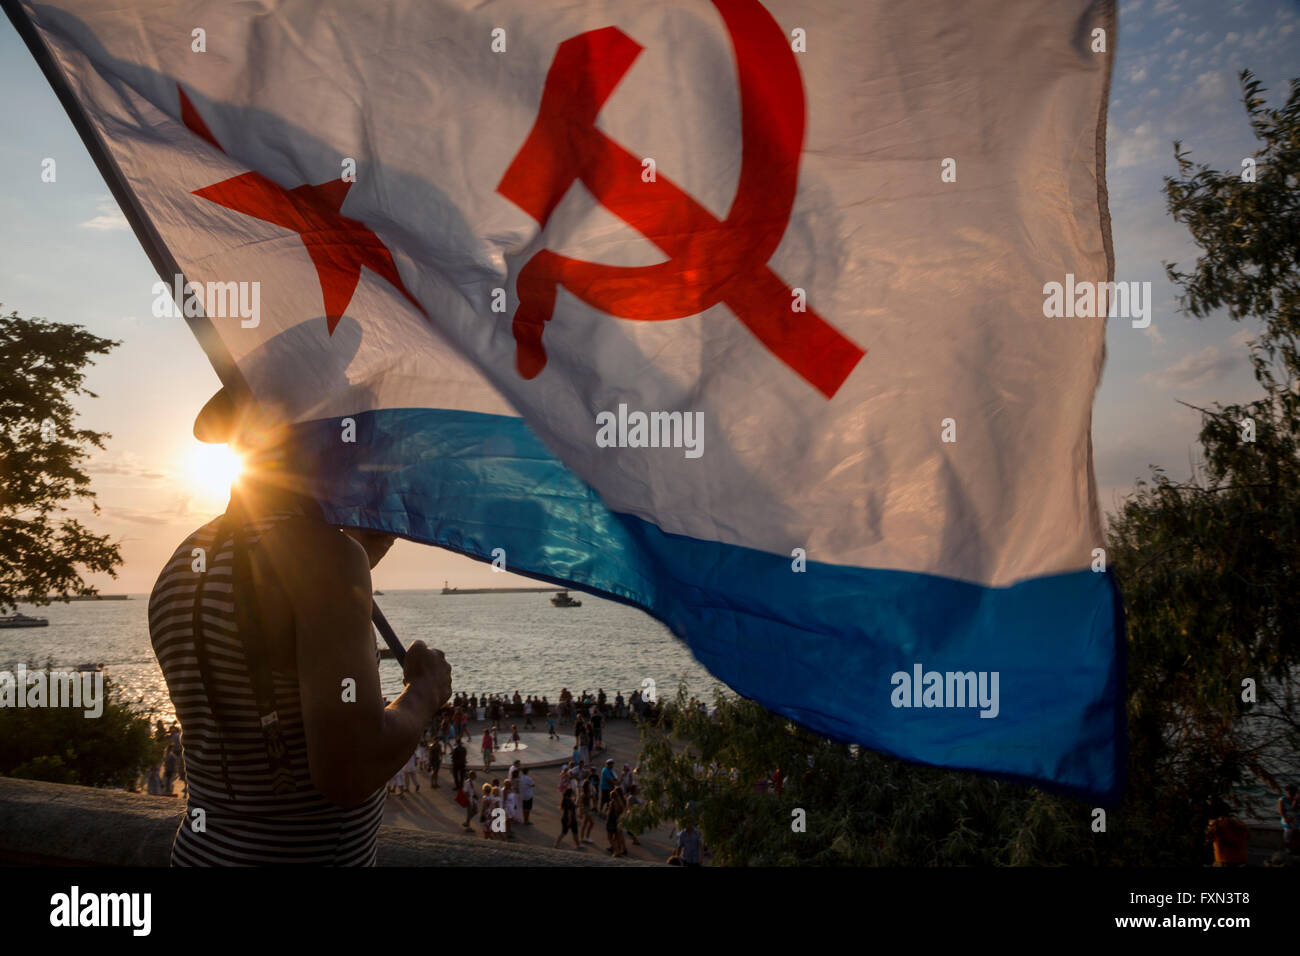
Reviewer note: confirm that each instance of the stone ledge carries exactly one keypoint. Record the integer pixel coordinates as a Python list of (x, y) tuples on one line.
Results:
[(50, 824)]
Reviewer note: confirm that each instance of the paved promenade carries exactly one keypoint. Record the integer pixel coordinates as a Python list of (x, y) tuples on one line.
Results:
[(438, 811)]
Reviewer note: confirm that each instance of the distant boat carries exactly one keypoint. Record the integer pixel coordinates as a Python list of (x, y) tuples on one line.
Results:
[(385, 653), (562, 599), (22, 620), (379, 594)]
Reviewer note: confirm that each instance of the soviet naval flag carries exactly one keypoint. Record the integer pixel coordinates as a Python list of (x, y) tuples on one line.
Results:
[(726, 309)]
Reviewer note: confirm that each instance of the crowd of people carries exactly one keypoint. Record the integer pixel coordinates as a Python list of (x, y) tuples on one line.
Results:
[(531, 709), (504, 802)]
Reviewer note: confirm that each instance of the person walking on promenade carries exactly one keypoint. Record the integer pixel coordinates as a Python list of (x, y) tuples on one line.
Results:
[(154, 784), (459, 757), (631, 799), (169, 771), (617, 804), (689, 844), (528, 713), (470, 800), (435, 764), (568, 819), (486, 749), (527, 787), (514, 736), (550, 728), (608, 781), (488, 804), (598, 730), (586, 799), (514, 808), (409, 774)]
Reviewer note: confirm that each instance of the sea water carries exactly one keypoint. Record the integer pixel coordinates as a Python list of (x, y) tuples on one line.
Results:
[(495, 643)]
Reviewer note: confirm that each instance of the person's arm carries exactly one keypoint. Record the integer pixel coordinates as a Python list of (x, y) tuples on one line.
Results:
[(353, 745)]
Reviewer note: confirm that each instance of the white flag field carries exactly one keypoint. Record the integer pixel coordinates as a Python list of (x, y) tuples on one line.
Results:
[(730, 310)]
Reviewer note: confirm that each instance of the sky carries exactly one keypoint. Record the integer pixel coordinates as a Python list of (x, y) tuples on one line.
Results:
[(67, 254)]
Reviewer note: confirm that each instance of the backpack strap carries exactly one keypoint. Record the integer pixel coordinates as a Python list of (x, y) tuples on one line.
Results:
[(204, 659), (256, 655)]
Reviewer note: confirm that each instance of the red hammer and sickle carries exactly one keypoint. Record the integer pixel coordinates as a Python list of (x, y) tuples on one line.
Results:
[(709, 261)]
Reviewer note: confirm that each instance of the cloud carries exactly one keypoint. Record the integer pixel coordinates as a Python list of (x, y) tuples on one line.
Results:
[(1243, 338), (1252, 41), (1134, 147), (126, 464), (135, 517), (1195, 370), (178, 513), (1211, 89), (110, 218)]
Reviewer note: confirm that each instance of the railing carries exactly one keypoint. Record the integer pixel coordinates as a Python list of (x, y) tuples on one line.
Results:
[(50, 824)]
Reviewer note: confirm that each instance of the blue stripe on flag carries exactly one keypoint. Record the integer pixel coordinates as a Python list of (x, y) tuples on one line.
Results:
[(819, 647)]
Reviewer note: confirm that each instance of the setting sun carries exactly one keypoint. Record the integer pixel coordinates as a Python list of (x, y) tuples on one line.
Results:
[(212, 468)]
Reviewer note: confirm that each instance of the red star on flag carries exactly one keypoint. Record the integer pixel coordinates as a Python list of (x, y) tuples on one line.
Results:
[(338, 246)]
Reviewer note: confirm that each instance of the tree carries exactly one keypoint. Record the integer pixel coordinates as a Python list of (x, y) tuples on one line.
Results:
[(1208, 566), (841, 805), (41, 456), (63, 745)]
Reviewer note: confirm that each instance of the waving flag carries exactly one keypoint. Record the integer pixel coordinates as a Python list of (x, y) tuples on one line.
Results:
[(732, 311)]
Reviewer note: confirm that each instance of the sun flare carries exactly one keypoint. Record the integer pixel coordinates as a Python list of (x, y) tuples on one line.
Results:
[(212, 468)]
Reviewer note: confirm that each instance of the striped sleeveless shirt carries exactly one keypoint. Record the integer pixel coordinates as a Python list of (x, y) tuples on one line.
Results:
[(245, 822)]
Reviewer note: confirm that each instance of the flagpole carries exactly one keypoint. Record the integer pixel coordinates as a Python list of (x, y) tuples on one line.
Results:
[(163, 261), (386, 632)]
